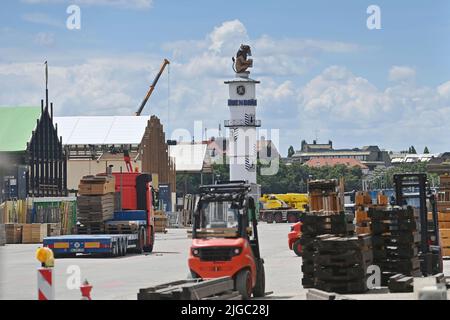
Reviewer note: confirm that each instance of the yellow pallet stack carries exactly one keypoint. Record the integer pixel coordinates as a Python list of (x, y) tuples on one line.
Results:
[(362, 201), (443, 208)]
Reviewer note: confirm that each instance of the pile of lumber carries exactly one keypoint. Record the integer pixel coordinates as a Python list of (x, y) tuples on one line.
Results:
[(13, 233), (95, 202), (95, 209), (96, 185), (2, 235), (324, 196), (214, 289), (53, 229), (160, 221), (363, 202), (401, 283), (340, 263), (314, 225), (34, 232), (395, 240), (443, 208)]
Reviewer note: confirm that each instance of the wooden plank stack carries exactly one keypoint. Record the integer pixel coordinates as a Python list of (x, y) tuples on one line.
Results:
[(324, 196), (13, 233), (363, 201), (341, 263), (443, 208), (95, 208), (2, 234), (96, 200), (160, 221), (53, 229), (96, 185), (34, 232), (314, 225), (395, 241)]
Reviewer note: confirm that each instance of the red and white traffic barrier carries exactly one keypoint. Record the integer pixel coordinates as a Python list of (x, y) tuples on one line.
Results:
[(46, 289)]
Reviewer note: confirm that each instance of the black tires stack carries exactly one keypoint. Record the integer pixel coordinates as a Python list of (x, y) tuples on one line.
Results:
[(396, 241)]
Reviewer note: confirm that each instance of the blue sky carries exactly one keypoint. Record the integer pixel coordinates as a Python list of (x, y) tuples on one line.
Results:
[(322, 70)]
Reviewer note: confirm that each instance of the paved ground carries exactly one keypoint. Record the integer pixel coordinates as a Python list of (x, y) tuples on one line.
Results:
[(121, 278)]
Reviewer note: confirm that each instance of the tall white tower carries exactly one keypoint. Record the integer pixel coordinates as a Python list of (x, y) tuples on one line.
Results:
[(242, 150)]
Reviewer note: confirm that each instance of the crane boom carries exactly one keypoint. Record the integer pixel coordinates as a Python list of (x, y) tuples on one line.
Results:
[(152, 86)]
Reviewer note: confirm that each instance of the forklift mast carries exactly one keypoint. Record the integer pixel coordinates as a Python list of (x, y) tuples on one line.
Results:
[(416, 184)]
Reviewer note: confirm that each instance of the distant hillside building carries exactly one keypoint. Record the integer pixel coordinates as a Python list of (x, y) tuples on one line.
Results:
[(32, 158), (348, 162), (370, 156), (405, 158)]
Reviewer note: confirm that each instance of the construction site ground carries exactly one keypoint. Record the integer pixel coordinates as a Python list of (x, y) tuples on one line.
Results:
[(121, 278)]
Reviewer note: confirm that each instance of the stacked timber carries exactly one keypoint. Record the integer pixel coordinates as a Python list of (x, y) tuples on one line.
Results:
[(13, 233), (443, 208), (363, 202), (314, 225), (160, 221), (53, 229), (324, 196), (96, 200), (95, 209), (340, 263), (395, 240), (34, 232), (2, 235)]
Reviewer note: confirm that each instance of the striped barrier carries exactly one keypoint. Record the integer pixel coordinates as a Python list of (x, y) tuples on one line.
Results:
[(46, 289)]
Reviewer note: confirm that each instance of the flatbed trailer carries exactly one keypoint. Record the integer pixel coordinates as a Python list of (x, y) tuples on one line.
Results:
[(280, 215), (110, 245)]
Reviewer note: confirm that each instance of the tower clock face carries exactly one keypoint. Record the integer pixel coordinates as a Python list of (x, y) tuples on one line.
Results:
[(240, 90)]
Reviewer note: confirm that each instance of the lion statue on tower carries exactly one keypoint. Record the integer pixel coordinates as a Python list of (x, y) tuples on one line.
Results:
[(241, 63)]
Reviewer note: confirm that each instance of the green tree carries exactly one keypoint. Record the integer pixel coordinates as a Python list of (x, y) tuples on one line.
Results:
[(426, 151), (291, 151), (412, 150)]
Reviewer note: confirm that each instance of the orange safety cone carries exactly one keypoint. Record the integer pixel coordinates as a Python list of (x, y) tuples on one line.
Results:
[(85, 289)]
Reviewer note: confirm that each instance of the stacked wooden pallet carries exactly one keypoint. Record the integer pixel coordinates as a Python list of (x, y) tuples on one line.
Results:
[(96, 185), (34, 232), (2, 235), (53, 229), (395, 241), (324, 196), (13, 233), (314, 225), (363, 201), (341, 263), (443, 208), (160, 221), (95, 209), (96, 202)]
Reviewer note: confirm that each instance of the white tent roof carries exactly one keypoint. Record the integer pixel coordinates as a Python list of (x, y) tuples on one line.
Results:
[(188, 157), (99, 130)]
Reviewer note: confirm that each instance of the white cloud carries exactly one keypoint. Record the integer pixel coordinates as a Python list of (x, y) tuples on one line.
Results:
[(402, 73), (44, 39), (41, 18), (346, 107), (134, 4)]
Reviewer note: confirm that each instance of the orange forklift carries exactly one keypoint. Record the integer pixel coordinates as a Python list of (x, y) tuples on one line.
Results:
[(225, 238)]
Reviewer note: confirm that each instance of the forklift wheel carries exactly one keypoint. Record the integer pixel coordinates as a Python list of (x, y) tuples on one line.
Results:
[(260, 288), (297, 247), (243, 284)]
